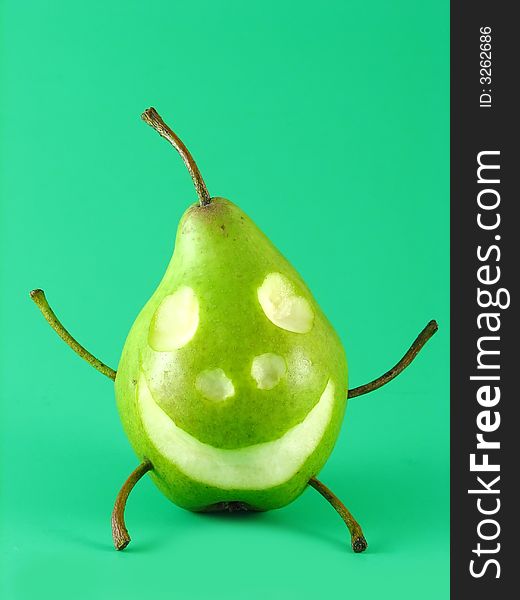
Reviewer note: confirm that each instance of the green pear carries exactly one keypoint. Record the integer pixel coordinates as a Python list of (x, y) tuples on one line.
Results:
[(232, 381), (232, 384)]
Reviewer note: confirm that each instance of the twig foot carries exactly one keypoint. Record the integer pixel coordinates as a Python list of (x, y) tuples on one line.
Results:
[(120, 533), (357, 539)]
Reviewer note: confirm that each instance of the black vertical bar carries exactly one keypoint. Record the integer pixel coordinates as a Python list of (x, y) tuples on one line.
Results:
[(484, 123)]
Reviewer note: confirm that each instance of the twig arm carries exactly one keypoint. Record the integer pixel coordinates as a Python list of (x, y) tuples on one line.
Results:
[(40, 300), (412, 352)]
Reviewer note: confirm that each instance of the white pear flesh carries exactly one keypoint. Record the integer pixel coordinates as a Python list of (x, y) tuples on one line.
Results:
[(214, 384), (175, 321), (282, 306), (267, 370)]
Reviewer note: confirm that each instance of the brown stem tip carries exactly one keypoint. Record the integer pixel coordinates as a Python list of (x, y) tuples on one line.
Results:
[(154, 119), (359, 544)]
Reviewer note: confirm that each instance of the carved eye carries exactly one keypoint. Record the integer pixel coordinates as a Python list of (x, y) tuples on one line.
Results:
[(282, 306), (175, 321)]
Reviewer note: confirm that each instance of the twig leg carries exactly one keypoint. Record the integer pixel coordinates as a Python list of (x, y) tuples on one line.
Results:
[(119, 531), (38, 296), (359, 543), (412, 352)]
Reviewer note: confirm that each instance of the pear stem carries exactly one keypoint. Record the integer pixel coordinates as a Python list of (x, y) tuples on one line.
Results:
[(412, 352), (358, 541), (41, 302), (120, 533), (154, 119)]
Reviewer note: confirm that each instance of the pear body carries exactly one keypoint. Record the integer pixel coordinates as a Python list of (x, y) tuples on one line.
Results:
[(232, 382)]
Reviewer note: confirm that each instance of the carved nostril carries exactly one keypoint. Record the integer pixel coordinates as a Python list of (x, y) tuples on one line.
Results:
[(214, 384), (267, 370)]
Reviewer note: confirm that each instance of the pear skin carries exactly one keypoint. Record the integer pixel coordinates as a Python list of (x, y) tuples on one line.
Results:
[(224, 260)]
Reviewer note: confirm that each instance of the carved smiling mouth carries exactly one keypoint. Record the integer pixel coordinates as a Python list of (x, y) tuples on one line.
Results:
[(255, 467)]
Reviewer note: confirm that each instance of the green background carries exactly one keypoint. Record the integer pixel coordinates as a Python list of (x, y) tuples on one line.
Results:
[(328, 124)]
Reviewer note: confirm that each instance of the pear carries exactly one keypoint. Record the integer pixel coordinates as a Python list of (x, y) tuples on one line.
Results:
[(232, 380), (232, 384)]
